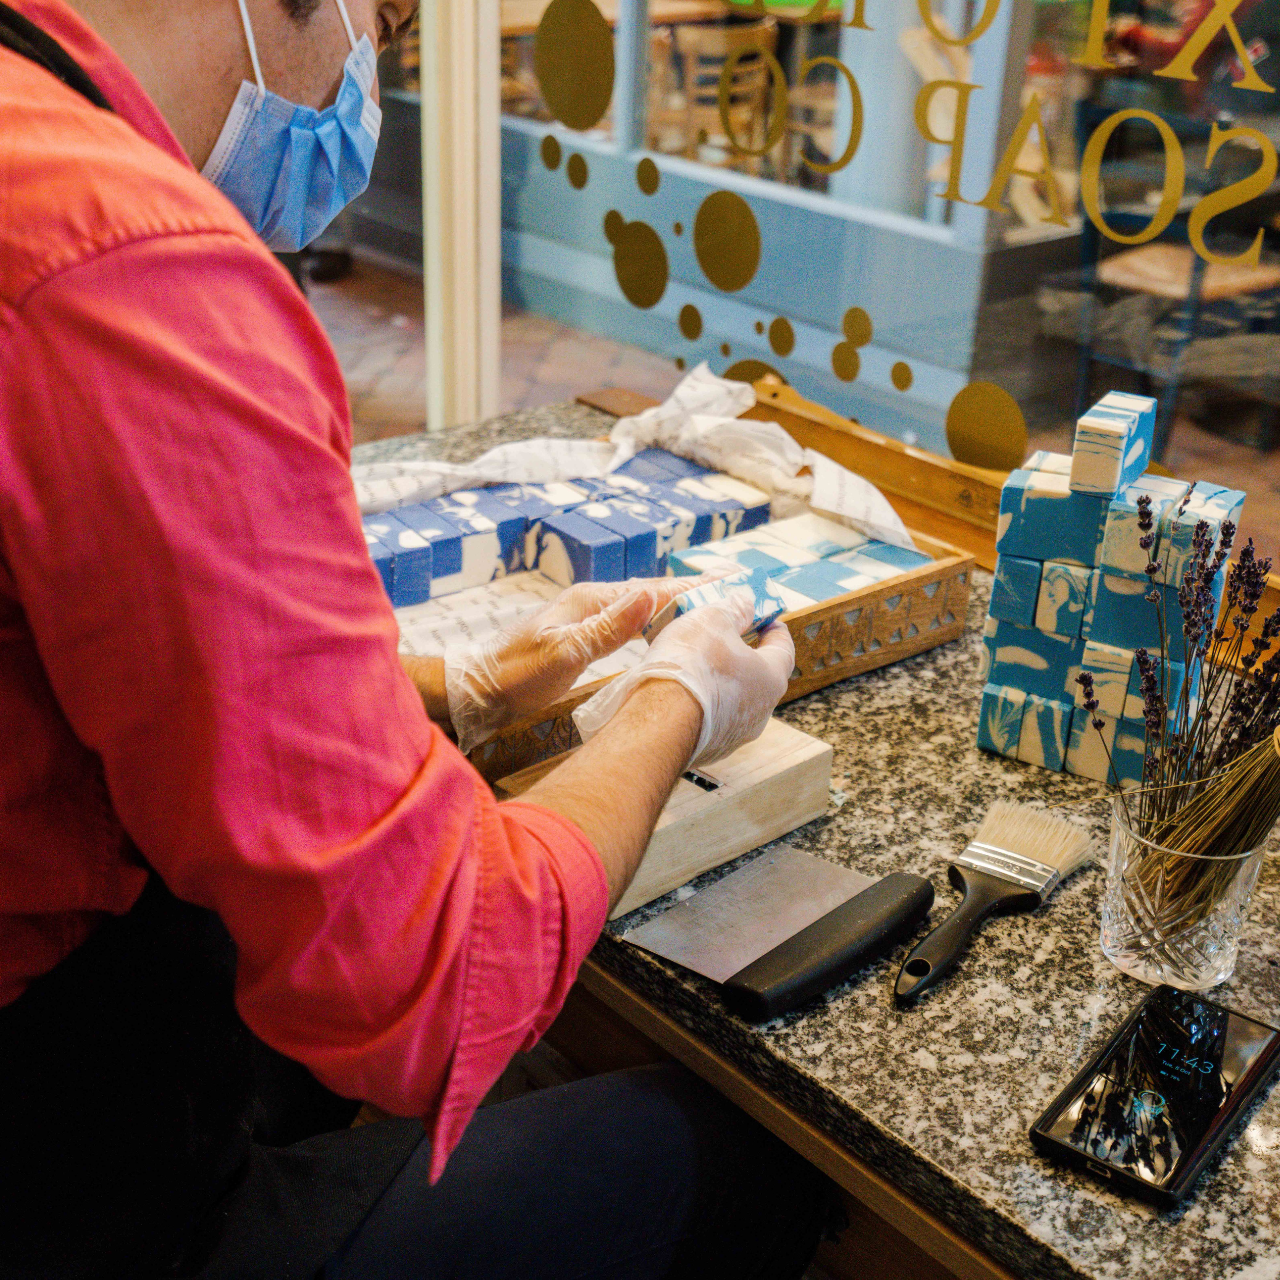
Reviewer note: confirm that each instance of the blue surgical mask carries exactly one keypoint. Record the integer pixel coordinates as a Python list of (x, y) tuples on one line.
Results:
[(289, 169)]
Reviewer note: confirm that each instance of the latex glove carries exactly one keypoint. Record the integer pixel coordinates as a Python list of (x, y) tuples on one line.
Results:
[(736, 686), (531, 663)]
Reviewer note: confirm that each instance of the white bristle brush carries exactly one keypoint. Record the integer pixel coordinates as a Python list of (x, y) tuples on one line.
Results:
[(1014, 863)]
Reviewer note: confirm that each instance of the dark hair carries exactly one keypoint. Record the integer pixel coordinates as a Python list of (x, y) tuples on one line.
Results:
[(300, 10)]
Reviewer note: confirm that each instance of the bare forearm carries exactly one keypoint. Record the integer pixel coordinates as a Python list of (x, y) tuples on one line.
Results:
[(427, 675), (614, 786)]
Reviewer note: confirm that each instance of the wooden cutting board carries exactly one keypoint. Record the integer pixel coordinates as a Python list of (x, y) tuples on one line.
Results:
[(762, 791)]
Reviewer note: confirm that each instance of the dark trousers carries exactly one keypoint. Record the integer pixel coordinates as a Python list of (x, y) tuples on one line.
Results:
[(635, 1175)]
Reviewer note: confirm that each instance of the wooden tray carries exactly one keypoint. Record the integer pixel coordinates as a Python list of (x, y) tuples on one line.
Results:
[(856, 632), (762, 791)]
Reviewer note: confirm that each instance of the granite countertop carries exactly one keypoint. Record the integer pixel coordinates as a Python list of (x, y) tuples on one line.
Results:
[(939, 1098)]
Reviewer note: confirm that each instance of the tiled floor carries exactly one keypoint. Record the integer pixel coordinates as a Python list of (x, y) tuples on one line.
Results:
[(374, 317)]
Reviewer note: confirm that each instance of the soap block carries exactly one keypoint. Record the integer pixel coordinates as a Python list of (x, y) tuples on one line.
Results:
[(657, 466), (1111, 668), (1120, 549), (1046, 727), (703, 518), (1208, 502), (987, 656), (1170, 689), (414, 563), (867, 566), (769, 601), (1123, 616), (1043, 460), (383, 557), (1088, 750), (1128, 750), (674, 530), (817, 535), (763, 540), (445, 539), (901, 558), (1144, 406), (1064, 593), (754, 502), (1016, 589), (1000, 719), (1042, 517), (821, 581), (726, 512), (571, 548), (479, 513), (1109, 452), (694, 561), (1034, 661), (640, 538)]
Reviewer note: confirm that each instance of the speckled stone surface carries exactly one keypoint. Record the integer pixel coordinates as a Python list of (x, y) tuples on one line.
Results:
[(939, 1098)]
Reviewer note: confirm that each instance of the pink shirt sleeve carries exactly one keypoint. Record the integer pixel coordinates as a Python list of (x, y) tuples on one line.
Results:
[(179, 519)]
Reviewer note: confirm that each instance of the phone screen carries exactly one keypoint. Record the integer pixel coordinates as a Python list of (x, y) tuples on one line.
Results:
[(1157, 1093)]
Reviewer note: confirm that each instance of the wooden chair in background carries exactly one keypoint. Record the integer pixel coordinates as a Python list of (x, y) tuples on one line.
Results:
[(703, 52)]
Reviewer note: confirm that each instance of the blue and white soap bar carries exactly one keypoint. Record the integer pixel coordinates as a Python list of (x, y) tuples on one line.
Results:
[(724, 513), (445, 539), (1111, 668), (570, 548), (1000, 719), (1120, 550), (658, 466), (1045, 731), (770, 602), (1043, 518), (1112, 446), (1034, 661), (1169, 682), (816, 535), (640, 538), (900, 558), (414, 563), (694, 561), (987, 656), (822, 581), (1089, 749), (1124, 617), (1016, 590), (865, 564), (674, 529), (754, 502), (1062, 597), (1043, 460), (383, 557), (1128, 749), (481, 513), (1211, 503)]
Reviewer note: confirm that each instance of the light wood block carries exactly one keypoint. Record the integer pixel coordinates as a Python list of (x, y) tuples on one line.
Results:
[(763, 790)]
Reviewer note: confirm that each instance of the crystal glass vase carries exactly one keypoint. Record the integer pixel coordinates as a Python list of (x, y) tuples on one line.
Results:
[(1173, 917)]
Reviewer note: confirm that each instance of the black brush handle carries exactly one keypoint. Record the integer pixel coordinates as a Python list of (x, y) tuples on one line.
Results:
[(939, 952), (830, 949)]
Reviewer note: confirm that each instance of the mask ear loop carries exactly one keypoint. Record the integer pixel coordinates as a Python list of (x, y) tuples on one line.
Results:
[(346, 22), (253, 48)]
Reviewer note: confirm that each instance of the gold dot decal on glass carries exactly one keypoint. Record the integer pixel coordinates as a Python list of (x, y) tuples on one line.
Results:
[(759, 326), (576, 171), (691, 322), (725, 349), (639, 260), (985, 428), (845, 361), (752, 371), (678, 228), (902, 375), (782, 337), (573, 60), (647, 176), (726, 238), (679, 362), (551, 152)]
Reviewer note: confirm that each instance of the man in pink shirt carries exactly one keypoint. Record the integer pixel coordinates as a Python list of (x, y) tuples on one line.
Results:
[(242, 867)]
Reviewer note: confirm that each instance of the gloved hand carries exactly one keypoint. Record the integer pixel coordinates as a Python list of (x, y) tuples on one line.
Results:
[(531, 663), (736, 686)]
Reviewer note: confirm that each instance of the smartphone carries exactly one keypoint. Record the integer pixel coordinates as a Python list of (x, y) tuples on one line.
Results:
[(1154, 1105)]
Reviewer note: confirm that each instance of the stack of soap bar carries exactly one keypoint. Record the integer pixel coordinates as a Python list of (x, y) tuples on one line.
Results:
[(1071, 595)]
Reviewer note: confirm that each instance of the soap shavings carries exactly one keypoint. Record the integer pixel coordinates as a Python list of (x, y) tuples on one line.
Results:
[(700, 421)]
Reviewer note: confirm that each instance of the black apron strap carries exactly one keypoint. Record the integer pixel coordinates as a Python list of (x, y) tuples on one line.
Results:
[(24, 37)]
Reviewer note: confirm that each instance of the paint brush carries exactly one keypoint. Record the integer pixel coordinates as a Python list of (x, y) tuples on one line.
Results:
[(1014, 863)]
